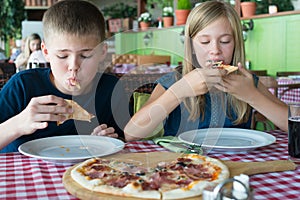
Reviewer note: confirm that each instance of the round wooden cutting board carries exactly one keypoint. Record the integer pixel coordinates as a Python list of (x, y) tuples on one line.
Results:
[(149, 159)]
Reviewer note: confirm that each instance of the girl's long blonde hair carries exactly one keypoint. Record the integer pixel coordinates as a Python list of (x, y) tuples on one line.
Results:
[(199, 18)]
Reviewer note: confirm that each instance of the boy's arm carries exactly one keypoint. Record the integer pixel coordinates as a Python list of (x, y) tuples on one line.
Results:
[(33, 117)]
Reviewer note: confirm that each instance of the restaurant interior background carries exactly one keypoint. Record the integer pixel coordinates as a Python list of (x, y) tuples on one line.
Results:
[(272, 44)]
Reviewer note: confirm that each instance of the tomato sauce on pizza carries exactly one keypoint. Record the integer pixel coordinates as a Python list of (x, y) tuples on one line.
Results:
[(186, 176)]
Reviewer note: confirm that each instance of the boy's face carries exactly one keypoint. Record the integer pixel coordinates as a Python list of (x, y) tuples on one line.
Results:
[(73, 60)]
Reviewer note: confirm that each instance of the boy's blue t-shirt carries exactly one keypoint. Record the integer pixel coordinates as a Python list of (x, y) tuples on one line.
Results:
[(178, 122), (104, 101)]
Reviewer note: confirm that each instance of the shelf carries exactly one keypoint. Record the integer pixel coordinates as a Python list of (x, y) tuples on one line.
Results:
[(294, 12), (36, 7)]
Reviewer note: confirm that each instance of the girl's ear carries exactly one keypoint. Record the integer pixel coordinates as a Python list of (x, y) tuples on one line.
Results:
[(45, 51)]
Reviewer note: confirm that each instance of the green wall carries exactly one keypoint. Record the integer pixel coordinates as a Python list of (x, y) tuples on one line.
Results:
[(273, 44)]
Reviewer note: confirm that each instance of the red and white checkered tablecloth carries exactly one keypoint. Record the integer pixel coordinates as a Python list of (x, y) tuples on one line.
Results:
[(23, 177), (289, 96)]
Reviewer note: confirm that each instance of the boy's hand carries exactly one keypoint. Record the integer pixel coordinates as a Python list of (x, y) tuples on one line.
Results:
[(103, 130), (40, 110)]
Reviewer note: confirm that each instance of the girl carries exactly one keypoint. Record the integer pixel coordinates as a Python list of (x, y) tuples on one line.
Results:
[(205, 96)]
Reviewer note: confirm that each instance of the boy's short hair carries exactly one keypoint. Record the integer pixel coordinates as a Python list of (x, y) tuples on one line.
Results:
[(73, 17)]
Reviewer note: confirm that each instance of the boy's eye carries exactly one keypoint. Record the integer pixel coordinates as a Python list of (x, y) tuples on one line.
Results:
[(86, 56)]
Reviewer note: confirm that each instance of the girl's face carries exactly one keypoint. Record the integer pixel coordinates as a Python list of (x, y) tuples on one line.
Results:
[(214, 43), (74, 61), (35, 45)]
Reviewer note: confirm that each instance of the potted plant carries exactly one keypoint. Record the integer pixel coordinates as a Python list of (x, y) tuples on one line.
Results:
[(12, 14), (248, 8), (168, 16), (145, 20), (183, 10), (119, 16)]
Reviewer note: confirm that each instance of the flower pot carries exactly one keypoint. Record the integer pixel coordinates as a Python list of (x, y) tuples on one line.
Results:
[(168, 21), (248, 9), (181, 16), (144, 25)]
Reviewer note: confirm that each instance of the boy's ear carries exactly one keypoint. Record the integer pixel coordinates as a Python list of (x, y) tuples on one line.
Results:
[(103, 50), (45, 51)]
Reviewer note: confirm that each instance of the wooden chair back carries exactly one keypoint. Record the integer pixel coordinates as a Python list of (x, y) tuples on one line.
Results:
[(292, 73), (6, 71), (140, 59), (259, 72), (124, 59), (271, 83), (8, 68)]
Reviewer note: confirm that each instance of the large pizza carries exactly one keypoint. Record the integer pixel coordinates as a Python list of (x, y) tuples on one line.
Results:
[(185, 176)]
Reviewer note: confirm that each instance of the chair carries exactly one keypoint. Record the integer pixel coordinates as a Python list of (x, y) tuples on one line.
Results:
[(133, 82), (8, 68), (6, 71), (139, 59), (124, 59), (283, 74), (272, 84), (259, 72)]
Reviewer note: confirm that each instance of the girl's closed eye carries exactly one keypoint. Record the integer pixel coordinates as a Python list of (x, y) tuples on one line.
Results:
[(85, 56), (62, 56), (204, 42), (225, 42)]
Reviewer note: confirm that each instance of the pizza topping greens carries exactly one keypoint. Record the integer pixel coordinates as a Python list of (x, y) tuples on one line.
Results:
[(187, 176)]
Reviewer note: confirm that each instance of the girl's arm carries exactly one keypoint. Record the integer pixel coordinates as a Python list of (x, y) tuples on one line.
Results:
[(260, 98), (162, 102)]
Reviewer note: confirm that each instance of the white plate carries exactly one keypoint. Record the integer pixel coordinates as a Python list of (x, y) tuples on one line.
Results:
[(228, 139), (71, 149)]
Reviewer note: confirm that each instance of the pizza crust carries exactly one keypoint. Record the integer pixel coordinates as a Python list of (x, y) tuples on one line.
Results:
[(79, 113), (196, 188)]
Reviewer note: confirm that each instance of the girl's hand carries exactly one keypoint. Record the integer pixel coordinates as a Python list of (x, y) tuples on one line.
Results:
[(39, 111), (239, 85), (103, 130), (198, 82)]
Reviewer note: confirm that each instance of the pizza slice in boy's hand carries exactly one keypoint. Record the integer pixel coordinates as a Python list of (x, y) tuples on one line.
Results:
[(79, 113)]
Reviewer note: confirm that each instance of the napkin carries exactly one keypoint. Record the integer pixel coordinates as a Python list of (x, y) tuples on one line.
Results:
[(250, 168), (174, 144)]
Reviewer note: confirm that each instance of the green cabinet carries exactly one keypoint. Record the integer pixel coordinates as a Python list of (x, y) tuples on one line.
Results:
[(161, 42), (273, 44)]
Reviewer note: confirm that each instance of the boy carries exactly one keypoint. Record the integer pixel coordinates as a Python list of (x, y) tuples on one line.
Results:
[(32, 102)]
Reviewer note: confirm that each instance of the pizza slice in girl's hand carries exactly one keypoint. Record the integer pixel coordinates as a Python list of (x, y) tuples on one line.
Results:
[(79, 113), (228, 68)]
